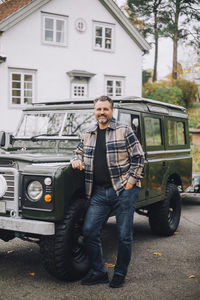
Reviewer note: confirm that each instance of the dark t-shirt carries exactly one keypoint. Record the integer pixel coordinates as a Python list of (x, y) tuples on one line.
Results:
[(101, 172)]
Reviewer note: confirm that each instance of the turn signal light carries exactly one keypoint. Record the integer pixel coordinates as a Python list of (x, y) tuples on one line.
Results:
[(48, 198)]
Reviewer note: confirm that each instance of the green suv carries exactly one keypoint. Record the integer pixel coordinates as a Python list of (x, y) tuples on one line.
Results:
[(42, 197)]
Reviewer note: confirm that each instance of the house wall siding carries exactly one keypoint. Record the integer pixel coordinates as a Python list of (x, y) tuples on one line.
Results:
[(23, 47)]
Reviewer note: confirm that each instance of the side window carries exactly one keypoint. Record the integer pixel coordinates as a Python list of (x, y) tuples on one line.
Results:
[(153, 134), (176, 133), (132, 121)]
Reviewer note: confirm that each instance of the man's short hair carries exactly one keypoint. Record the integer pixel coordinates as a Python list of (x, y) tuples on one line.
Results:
[(104, 98)]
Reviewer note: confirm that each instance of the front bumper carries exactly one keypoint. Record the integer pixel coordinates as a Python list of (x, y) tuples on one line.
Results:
[(27, 226)]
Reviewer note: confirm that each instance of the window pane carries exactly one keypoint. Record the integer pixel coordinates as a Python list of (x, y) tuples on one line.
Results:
[(99, 31), (15, 100), (181, 133), (16, 85), (118, 83), (16, 77), (48, 35), (153, 132), (16, 93), (60, 25), (109, 83), (172, 134), (108, 32), (108, 44), (27, 93), (28, 77), (125, 119), (48, 23), (59, 37), (109, 91), (60, 31), (176, 133), (28, 85), (98, 43), (118, 91), (28, 100)]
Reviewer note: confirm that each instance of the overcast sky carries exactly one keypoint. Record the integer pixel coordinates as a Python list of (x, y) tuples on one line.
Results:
[(164, 55)]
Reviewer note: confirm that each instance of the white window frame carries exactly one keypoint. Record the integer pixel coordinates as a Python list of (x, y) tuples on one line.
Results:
[(22, 88), (114, 79), (55, 18), (79, 85), (104, 26)]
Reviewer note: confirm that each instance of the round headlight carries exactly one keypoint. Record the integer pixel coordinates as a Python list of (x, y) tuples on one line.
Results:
[(35, 190)]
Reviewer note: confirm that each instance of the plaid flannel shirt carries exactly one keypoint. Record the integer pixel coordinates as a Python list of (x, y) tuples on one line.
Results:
[(125, 157)]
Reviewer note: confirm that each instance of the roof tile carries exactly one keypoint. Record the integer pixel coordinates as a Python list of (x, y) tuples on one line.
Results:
[(8, 7)]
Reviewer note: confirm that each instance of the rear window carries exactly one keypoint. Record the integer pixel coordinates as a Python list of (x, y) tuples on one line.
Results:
[(176, 133)]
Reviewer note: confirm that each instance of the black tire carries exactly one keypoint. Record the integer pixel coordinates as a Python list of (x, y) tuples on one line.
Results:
[(63, 255), (6, 235), (164, 216)]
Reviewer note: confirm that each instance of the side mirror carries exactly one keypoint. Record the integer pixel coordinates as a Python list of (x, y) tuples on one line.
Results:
[(2, 138)]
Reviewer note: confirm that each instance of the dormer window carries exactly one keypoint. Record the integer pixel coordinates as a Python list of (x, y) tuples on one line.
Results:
[(103, 36), (54, 29)]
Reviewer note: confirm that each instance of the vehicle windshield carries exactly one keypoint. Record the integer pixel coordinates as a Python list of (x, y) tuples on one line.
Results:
[(40, 124)]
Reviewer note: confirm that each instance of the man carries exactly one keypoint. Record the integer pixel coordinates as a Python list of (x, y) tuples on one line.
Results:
[(113, 161)]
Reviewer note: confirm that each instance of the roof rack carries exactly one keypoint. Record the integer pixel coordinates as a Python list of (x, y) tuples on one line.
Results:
[(126, 100)]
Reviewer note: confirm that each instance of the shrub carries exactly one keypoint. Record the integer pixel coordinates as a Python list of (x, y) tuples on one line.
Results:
[(169, 91), (168, 94), (189, 90), (194, 116)]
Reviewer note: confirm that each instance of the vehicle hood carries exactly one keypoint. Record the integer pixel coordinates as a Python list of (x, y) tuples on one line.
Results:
[(36, 157)]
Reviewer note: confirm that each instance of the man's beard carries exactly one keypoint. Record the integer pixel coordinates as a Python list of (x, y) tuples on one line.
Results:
[(104, 121)]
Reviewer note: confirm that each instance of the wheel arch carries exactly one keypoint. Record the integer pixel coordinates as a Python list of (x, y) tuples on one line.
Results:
[(175, 179)]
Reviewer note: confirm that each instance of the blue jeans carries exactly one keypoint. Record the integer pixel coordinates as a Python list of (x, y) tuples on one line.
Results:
[(102, 202)]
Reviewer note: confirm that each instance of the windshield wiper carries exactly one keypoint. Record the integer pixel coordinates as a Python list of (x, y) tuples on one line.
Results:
[(70, 134), (33, 138)]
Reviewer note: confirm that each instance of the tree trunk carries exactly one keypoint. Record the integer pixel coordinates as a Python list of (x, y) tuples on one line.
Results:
[(175, 49), (156, 46), (175, 41)]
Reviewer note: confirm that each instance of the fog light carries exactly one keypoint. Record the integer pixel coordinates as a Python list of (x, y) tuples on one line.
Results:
[(47, 181), (47, 198)]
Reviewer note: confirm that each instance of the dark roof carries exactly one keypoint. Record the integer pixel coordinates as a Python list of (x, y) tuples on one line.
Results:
[(8, 7)]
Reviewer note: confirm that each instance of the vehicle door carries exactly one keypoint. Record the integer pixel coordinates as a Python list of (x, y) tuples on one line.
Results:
[(155, 155), (133, 119)]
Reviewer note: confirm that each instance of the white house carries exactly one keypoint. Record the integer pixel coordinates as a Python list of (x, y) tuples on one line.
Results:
[(53, 50)]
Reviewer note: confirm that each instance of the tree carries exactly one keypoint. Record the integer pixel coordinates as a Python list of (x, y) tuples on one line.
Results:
[(145, 15), (146, 75), (179, 24)]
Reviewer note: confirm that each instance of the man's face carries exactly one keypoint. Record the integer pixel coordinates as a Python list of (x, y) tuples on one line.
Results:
[(103, 112)]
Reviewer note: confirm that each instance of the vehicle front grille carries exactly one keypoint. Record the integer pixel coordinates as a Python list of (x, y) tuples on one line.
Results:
[(10, 180), (11, 196)]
